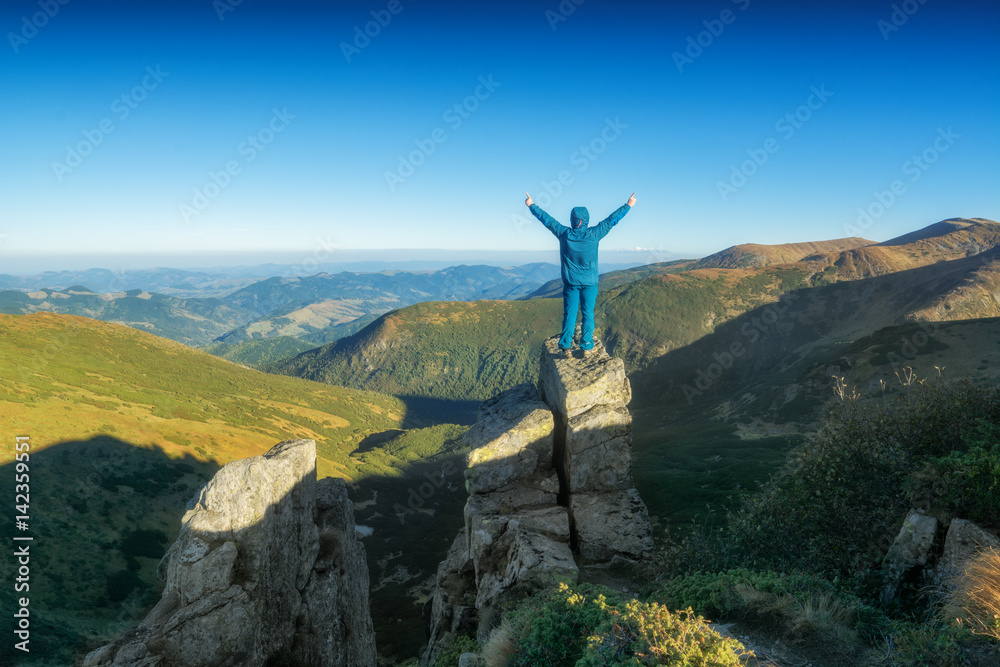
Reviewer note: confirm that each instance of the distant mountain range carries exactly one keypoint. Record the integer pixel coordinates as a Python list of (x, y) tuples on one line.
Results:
[(300, 307), (667, 320), (190, 321)]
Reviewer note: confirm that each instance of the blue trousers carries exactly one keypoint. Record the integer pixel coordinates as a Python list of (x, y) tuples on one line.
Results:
[(578, 297)]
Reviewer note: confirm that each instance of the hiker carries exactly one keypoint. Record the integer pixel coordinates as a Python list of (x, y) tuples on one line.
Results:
[(578, 259)]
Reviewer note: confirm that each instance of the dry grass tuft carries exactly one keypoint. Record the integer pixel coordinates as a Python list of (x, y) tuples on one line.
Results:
[(823, 615), (974, 598), (500, 646)]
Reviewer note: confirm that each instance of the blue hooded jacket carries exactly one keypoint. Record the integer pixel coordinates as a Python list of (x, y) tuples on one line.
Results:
[(578, 245)]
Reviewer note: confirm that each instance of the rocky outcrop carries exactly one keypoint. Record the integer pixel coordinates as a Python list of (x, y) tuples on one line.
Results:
[(963, 543), (593, 452), (550, 484), (452, 606), (919, 554), (266, 564), (910, 549)]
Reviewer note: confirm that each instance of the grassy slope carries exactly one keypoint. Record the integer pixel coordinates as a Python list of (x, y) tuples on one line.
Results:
[(792, 346), (125, 427), (453, 350), (69, 378), (255, 353), (754, 254)]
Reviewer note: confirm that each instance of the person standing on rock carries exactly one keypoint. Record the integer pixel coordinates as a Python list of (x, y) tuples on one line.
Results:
[(578, 260)]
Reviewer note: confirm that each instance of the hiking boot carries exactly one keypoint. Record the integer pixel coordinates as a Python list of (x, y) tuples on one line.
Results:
[(565, 353), (587, 353)]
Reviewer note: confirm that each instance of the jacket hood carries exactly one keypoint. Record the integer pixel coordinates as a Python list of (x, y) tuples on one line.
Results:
[(579, 217)]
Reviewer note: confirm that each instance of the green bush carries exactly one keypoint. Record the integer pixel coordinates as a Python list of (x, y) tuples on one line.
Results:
[(646, 633), (965, 483), (837, 503), (590, 626)]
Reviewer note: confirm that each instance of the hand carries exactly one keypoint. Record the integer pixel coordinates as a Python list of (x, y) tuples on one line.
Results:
[(528, 201), (631, 200)]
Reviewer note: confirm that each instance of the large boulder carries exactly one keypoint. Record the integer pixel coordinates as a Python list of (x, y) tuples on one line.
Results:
[(266, 563), (571, 386), (963, 542), (549, 480), (598, 450), (511, 440), (611, 528), (910, 549)]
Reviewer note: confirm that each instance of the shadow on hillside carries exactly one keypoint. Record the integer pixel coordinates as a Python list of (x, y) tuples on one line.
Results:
[(102, 512), (414, 518), (424, 411), (376, 440), (780, 343)]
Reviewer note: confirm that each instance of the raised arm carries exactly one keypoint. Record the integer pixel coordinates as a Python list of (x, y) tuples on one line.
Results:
[(605, 225), (543, 217)]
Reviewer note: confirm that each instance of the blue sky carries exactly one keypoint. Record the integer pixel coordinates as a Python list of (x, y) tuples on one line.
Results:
[(213, 127)]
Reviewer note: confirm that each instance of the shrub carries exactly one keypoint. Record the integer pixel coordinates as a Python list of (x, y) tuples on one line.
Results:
[(590, 626), (965, 483), (646, 633), (837, 503)]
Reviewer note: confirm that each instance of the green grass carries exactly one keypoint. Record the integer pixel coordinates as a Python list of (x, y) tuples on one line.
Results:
[(71, 378), (125, 427), (694, 470), (454, 351), (257, 352)]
